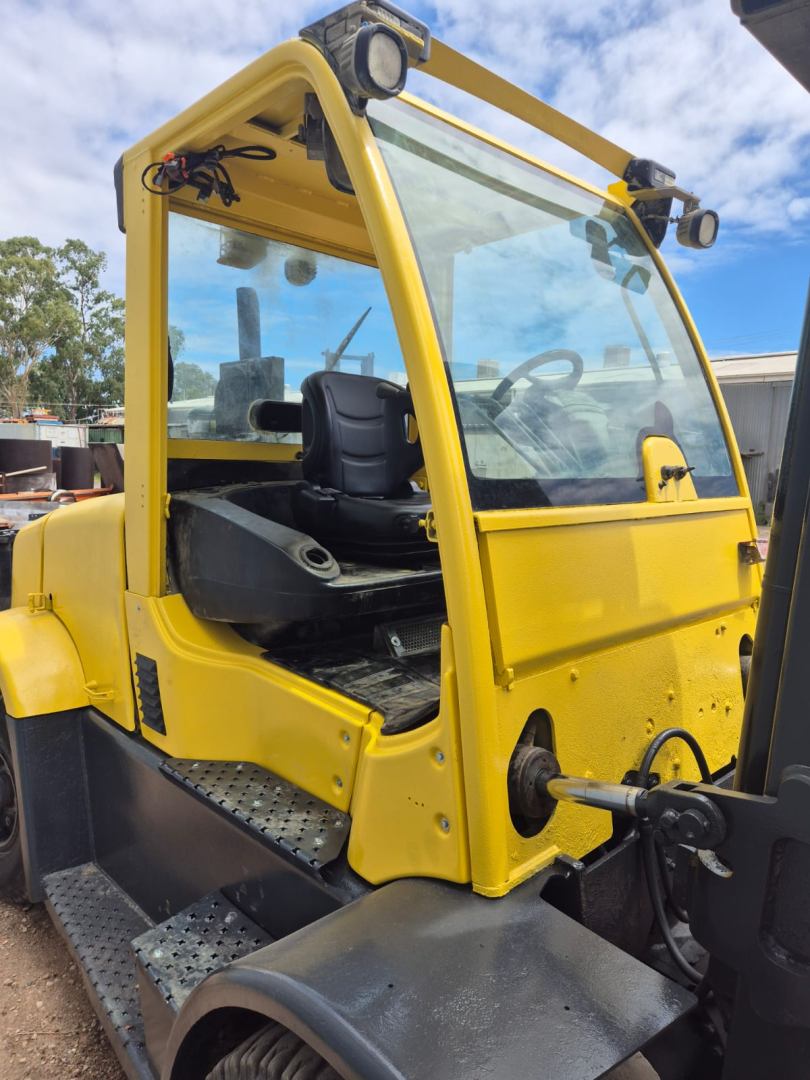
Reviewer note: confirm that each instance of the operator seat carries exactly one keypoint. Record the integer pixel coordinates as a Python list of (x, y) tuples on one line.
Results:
[(357, 464)]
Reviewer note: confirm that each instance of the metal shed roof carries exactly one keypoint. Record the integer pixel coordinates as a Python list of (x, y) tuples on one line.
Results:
[(761, 368)]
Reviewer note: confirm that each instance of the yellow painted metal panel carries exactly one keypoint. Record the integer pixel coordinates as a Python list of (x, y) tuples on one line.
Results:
[(85, 576), (183, 449), (556, 593), (146, 381), (40, 671), (605, 708), (221, 700), (26, 563), (547, 517), (408, 812)]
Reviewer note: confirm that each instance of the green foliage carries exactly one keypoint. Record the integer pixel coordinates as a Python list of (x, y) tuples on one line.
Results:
[(61, 334), (191, 381), (177, 342)]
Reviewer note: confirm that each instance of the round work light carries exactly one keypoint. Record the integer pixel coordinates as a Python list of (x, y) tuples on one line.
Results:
[(373, 62), (698, 229)]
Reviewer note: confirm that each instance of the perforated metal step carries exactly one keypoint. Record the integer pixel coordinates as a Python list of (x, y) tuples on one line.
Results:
[(98, 921), (304, 827), (179, 953)]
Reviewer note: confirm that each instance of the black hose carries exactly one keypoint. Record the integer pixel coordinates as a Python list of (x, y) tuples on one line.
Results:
[(655, 869), (657, 897), (654, 749), (679, 912)]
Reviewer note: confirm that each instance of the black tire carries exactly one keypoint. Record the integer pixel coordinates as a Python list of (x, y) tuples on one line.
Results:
[(273, 1053), (12, 876)]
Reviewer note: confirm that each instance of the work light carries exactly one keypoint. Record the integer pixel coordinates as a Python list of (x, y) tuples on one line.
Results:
[(370, 44), (372, 62), (698, 229)]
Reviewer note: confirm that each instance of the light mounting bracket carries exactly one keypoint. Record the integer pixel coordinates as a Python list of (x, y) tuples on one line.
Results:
[(654, 190)]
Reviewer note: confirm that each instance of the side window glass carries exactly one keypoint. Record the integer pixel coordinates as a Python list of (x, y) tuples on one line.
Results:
[(250, 318)]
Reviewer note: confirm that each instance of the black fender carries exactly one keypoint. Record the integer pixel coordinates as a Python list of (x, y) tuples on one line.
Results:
[(421, 979)]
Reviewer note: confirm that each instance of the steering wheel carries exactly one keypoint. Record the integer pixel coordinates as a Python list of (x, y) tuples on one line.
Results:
[(564, 382)]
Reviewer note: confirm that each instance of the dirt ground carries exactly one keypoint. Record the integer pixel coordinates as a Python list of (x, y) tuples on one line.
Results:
[(48, 1030)]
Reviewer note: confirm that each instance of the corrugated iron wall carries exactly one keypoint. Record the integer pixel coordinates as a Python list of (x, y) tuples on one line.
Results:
[(759, 412)]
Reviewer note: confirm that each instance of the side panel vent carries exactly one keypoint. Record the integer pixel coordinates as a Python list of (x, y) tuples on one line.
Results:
[(411, 637), (147, 689)]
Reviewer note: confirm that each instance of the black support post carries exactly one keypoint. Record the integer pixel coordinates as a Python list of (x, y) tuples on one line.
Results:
[(786, 545)]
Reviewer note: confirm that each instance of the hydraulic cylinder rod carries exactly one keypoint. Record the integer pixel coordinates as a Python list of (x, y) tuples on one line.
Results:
[(683, 812), (618, 798)]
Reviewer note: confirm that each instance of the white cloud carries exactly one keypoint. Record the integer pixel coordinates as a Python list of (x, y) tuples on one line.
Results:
[(799, 209), (83, 79)]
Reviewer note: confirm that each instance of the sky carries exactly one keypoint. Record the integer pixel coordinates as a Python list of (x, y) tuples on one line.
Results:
[(681, 83)]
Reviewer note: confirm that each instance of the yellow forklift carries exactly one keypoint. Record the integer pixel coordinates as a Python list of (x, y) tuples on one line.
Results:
[(385, 724)]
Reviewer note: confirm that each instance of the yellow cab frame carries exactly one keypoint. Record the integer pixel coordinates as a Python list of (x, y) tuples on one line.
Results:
[(617, 659), (439, 931)]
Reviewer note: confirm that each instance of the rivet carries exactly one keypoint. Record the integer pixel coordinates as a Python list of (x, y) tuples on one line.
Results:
[(574, 674), (671, 694), (444, 824), (438, 757), (346, 737), (649, 727), (338, 782)]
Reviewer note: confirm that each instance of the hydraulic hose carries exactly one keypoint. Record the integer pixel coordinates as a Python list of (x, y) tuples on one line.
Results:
[(653, 858)]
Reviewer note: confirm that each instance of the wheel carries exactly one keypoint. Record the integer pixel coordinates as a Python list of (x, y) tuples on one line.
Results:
[(273, 1053), (12, 877)]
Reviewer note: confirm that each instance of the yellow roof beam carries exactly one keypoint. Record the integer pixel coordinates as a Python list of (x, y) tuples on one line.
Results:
[(457, 70)]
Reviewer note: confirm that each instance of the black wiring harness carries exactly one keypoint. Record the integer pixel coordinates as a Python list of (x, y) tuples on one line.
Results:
[(201, 170), (654, 859)]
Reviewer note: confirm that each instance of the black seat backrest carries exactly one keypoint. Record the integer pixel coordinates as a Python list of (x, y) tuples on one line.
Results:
[(354, 440)]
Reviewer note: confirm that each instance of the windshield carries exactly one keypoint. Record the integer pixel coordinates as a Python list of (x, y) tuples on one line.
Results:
[(250, 318), (563, 345)]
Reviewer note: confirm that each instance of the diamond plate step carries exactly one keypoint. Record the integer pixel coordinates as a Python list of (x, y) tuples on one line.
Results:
[(283, 815), (179, 953), (98, 921)]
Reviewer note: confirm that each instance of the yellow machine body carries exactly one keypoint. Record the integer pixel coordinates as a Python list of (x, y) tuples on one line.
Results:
[(613, 621)]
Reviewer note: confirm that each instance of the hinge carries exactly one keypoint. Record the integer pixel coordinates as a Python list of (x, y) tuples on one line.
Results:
[(39, 601), (749, 553), (428, 523), (97, 693)]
